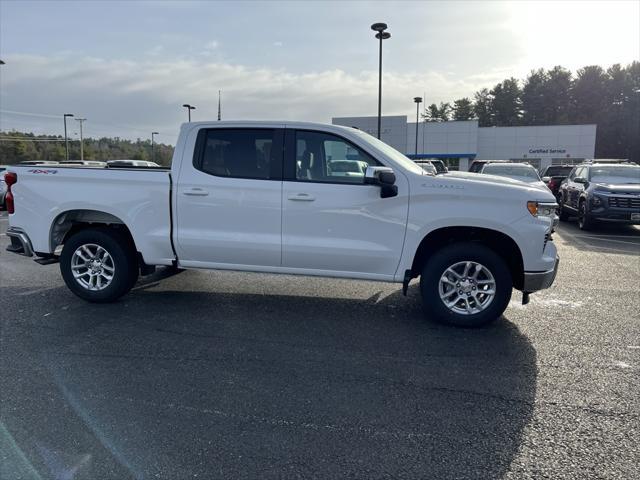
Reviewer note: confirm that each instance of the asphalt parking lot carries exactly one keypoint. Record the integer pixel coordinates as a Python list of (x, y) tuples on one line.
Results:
[(229, 375)]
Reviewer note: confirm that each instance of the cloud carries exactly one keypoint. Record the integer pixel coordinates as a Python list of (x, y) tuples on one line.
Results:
[(155, 51), (277, 44), (128, 98)]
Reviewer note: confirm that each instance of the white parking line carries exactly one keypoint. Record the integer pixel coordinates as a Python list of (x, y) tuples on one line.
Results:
[(33, 292), (609, 240), (606, 236)]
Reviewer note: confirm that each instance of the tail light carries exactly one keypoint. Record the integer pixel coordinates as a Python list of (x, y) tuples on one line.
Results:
[(552, 183), (10, 178)]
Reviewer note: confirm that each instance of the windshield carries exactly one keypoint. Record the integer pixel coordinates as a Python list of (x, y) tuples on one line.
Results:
[(398, 157), (427, 167), (616, 174), (507, 170), (558, 171)]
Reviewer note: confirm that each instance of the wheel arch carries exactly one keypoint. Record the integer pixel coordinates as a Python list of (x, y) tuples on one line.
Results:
[(71, 221), (501, 243)]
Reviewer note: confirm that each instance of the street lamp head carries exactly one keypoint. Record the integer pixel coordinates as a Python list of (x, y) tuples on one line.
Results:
[(379, 27), (417, 99), (190, 107), (383, 35), (68, 114), (155, 133)]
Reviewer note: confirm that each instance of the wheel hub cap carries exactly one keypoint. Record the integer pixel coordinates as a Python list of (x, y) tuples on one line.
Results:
[(467, 287), (92, 267)]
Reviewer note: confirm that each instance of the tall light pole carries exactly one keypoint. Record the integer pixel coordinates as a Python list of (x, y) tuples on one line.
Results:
[(189, 108), (153, 156), (81, 138), (381, 35), (66, 139), (418, 100)]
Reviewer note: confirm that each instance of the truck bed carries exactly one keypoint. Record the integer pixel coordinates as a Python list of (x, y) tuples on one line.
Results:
[(139, 197)]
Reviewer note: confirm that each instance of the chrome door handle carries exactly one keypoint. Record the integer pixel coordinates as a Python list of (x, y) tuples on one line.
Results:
[(196, 192), (301, 197)]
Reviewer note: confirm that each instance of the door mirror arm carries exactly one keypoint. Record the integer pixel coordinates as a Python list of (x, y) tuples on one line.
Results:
[(383, 177)]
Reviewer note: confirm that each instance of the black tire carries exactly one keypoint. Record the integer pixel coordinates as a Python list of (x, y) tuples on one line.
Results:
[(562, 213), (434, 307), (584, 220), (123, 255)]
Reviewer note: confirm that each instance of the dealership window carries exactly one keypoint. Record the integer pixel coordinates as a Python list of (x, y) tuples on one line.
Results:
[(566, 161)]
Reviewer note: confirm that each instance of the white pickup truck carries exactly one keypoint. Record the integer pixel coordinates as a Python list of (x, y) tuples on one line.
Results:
[(263, 197)]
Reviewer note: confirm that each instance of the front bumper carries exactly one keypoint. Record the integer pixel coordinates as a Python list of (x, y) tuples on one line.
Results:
[(534, 281), (616, 218), (20, 242)]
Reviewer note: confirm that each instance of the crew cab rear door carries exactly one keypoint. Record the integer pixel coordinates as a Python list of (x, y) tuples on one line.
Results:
[(229, 198), (332, 221)]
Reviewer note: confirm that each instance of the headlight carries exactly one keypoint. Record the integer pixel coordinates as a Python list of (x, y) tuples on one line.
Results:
[(541, 209)]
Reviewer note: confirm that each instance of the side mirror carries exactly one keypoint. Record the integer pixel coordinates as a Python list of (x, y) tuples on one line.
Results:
[(546, 179), (580, 180), (384, 178)]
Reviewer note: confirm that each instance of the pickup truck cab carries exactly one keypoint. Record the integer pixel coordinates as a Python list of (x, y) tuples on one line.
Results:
[(261, 197)]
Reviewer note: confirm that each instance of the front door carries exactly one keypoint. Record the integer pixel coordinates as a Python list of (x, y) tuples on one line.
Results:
[(229, 199), (331, 220), (574, 189)]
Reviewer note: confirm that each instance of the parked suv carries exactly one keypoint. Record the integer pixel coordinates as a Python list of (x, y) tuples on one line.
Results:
[(517, 171), (601, 192), (427, 166), (553, 175), (440, 166), (477, 165)]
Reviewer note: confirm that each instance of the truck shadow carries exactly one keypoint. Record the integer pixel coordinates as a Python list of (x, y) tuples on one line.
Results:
[(248, 385)]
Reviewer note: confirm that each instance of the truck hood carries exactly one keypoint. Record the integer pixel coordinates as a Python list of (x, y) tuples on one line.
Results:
[(493, 179), (488, 186)]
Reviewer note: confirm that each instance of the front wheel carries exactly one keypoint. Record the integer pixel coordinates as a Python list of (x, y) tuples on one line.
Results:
[(584, 220), (99, 265), (466, 285), (562, 213)]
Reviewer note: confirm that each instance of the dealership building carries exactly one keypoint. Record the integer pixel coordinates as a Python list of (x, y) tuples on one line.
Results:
[(459, 143)]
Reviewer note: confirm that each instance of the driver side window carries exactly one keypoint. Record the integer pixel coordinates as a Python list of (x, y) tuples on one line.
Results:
[(326, 158)]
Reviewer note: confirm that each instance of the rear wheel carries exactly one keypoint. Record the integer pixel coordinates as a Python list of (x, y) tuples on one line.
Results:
[(584, 220), (99, 265), (466, 285)]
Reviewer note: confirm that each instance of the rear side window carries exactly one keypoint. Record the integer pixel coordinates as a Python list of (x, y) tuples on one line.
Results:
[(557, 171), (240, 153)]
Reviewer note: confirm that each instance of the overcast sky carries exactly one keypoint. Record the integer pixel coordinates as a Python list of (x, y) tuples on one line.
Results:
[(129, 66)]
